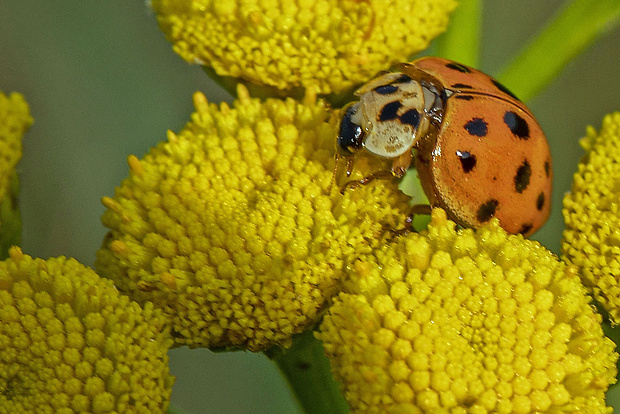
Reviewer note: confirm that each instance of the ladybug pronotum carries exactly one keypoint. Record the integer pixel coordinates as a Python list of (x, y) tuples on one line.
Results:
[(478, 150)]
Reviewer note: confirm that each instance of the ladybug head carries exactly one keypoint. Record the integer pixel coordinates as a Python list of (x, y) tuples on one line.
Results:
[(351, 135)]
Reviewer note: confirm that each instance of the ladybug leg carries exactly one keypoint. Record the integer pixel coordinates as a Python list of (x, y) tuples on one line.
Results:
[(334, 175), (379, 175), (418, 209), (401, 164), (424, 209), (349, 166), (349, 160)]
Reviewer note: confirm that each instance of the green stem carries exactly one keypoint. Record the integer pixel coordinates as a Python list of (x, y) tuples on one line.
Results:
[(574, 27), (306, 368), (461, 42)]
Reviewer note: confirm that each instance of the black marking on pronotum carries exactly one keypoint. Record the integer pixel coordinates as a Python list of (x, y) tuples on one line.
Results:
[(458, 66), (504, 89), (403, 79), (350, 134), (526, 228), (540, 201), (522, 177), (463, 97), (517, 124), (411, 117), (461, 86), (389, 111), (468, 160), (477, 127), (547, 168), (386, 89), (444, 94), (487, 210)]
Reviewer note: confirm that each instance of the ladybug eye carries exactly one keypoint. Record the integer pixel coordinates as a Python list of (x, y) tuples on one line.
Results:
[(350, 134)]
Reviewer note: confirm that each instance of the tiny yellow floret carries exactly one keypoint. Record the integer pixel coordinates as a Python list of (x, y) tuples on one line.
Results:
[(516, 333), (234, 226), (15, 119), (70, 342), (591, 240), (324, 46)]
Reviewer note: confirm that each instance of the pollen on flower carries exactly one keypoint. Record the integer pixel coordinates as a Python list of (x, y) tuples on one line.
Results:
[(72, 343), (325, 46), (502, 326), (591, 240), (234, 226)]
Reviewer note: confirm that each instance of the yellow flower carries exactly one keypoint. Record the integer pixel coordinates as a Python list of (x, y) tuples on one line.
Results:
[(71, 343), (322, 45), (467, 321), (14, 121), (591, 239), (234, 226)]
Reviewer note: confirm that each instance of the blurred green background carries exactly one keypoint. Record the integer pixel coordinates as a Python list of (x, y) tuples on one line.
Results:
[(102, 83)]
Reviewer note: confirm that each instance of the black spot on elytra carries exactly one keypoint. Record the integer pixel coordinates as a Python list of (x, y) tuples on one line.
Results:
[(547, 168), (522, 178), (389, 111), (487, 210), (540, 201), (461, 86), (459, 67), (464, 97), (386, 89), (477, 127), (468, 160), (526, 228), (517, 124), (403, 79), (411, 117), (504, 89)]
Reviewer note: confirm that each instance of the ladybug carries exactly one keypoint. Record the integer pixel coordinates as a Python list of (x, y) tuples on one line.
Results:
[(477, 149)]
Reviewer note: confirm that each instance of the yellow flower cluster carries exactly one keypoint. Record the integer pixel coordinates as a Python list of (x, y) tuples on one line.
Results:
[(321, 45), (71, 343), (467, 322), (234, 227), (14, 121), (591, 210)]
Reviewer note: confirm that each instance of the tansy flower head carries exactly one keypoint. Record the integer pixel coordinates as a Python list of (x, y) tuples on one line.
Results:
[(72, 343), (234, 226), (467, 321), (322, 45), (592, 215), (14, 121)]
